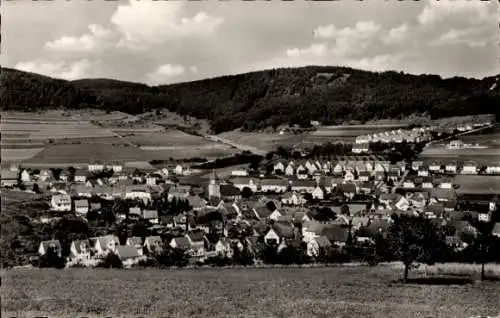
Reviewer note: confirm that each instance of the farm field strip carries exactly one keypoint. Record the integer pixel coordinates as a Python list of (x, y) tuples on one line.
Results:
[(12, 155), (251, 292), (477, 184)]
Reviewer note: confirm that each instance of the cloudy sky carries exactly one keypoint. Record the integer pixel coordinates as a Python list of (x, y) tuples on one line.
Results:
[(164, 42)]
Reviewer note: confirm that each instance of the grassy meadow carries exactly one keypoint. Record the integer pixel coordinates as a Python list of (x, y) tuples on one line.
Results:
[(343, 291)]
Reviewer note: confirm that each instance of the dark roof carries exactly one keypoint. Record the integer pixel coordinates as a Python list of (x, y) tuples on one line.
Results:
[(150, 214), (182, 243), (263, 212), (126, 252), (229, 190), (304, 183), (196, 235), (277, 182), (335, 233), (347, 187), (282, 230)]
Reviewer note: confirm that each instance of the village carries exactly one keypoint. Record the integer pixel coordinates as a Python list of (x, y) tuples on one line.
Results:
[(316, 204)]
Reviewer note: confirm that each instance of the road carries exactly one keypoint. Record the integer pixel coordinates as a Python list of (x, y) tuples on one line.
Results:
[(254, 150), (400, 182)]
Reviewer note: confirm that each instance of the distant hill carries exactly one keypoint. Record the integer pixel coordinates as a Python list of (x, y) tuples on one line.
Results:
[(260, 99)]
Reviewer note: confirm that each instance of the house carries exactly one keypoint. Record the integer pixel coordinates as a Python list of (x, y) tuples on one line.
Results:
[(179, 169), (469, 167), (408, 184), (388, 198), (95, 206), (262, 212), (153, 244), (105, 244), (493, 168), (415, 165), (293, 198), (445, 183), (360, 148), (196, 202), (338, 168), (135, 211), (179, 192), (336, 234), (427, 183), (435, 167), (242, 183), (230, 192), (223, 248), (419, 199), (9, 178), (196, 240), (81, 206), (364, 176), (127, 254), (96, 166), (303, 186), (423, 171), (116, 167), (442, 195), (151, 216), (348, 189), (279, 168), (349, 176), (80, 176), (135, 242), (496, 229), (45, 246), (180, 243), (151, 179), (274, 185), (450, 167), (61, 202), (278, 233), (402, 204), (45, 175), (366, 187), (318, 244), (138, 191), (80, 250), (290, 169), (25, 176), (240, 172), (319, 193)]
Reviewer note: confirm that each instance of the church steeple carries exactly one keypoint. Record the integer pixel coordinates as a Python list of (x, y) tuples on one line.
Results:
[(214, 186)]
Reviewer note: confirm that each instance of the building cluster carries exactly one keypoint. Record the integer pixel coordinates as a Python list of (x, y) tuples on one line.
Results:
[(414, 135)]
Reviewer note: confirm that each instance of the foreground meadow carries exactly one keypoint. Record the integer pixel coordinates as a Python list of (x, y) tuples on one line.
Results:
[(252, 292)]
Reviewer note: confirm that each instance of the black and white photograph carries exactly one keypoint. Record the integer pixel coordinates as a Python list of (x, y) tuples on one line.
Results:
[(250, 159)]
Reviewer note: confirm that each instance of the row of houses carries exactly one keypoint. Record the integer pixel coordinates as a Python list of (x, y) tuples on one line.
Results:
[(455, 167), (414, 135)]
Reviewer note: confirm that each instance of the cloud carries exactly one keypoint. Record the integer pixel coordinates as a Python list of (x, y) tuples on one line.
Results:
[(396, 35), (167, 72), (472, 37), (146, 23), (69, 71), (88, 42), (313, 50), (348, 40), (471, 11)]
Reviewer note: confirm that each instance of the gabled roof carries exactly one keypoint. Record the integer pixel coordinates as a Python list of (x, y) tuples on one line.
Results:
[(282, 230), (196, 236), (81, 204), (182, 243), (134, 241), (229, 190), (51, 243), (126, 252), (323, 241), (9, 174), (153, 240), (335, 233), (347, 187), (304, 183), (262, 212), (149, 214), (80, 244)]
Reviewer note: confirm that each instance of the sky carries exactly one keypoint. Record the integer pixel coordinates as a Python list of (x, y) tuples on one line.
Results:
[(161, 42)]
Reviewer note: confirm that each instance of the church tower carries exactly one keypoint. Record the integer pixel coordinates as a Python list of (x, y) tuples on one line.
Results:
[(213, 187)]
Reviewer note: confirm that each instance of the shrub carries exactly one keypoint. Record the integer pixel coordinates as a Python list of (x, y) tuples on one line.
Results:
[(111, 260)]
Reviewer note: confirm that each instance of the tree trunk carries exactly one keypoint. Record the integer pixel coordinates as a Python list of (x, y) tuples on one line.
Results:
[(407, 269), (482, 272)]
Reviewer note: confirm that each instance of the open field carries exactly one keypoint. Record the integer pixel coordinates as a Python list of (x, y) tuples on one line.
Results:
[(473, 184), (253, 292), (168, 138), (16, 155)]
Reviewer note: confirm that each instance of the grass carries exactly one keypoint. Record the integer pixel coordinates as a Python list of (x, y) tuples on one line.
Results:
[(257, 292), (477, 184)]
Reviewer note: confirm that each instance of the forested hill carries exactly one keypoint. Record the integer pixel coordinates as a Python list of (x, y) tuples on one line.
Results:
[(266, 98)]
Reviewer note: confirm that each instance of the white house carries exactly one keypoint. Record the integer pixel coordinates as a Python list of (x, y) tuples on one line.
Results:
[(469, 168), (151, 216), (316, 244), (402, 204), (135, 242), (304, 186), (81, 206), (116, 167), (138, 192), (293, 198), (435, 167), (349, 176), (240, 173), (241, 183), (96, 166), (279, 167), (80, 250), (61, 202), (274, 185), (408, 184), (493, 168), (318, 193), (80, 176), (290, 169), (360, 148), (25, 176), (153, 244), (151, 180), (105, 244), (275, 215), (451, 167)]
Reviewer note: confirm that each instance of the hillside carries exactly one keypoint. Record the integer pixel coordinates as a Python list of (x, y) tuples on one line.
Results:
[(265, 98)]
